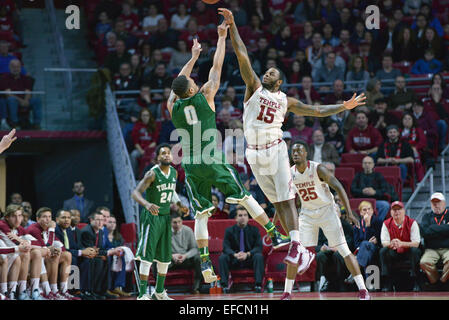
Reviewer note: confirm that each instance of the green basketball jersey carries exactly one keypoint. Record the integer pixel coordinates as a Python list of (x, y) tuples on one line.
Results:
[(161, 190), (193, 117)]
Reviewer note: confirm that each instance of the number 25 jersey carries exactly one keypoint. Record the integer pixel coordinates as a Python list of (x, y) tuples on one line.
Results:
[(263, 116), (313, 192)]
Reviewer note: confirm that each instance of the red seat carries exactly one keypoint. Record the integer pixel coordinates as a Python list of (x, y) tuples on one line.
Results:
[(129, 234), (81, 225), (396, 183), (355, 202), (357, 166), (420, 80), (352, 157), (345, 176), (389, 171)]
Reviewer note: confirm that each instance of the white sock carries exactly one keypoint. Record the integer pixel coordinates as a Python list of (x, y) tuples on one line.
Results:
[(288, 286), (34, 283), (12, 285), (22, 286), (144, 268), (294, 235), (63, 287), (3, 287), (360, 282), (54, 287), (46, 287)]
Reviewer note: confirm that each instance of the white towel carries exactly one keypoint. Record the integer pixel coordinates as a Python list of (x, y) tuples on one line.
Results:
[(129, 261)]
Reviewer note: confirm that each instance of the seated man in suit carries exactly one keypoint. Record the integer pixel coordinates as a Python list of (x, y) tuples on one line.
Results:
[(321, 151), (98, 275), (242, 248), (65, 233), (57, 259), (79, 201)]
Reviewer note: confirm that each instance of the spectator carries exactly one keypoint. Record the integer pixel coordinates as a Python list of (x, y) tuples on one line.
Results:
[(75, 216), (363, 138), (115, 59), (387, 37), (13, 235), (315, 50), (329, 72), (357, 72), (163, 37), (395, 152), (204, 15), (381, 118), (321, 151), (136, 67), (179, 57), (305, 40), (419, 26), (279, 6), (112, 8), (260, 8), (145, 56), (345, 120), (192, 31), (300, 131), (239, 13), (306, 11), (373, 92), (67, 236), (242, 248), (254, 32), (230, 92), (328, 35), (6, 57), (150, 22), (438, 107), (185, 253), (327, 48), (433, 21), (337, 94), (104, 25), (144, 101), (180, 18), (14, 81), (427, 65), (404, 46), (125, 81), (434, 229), (27, 214), (219, 213), (156, 59), (437, 78), (57, 260), (431, 40), (277, 24), (145, 136), (79, 201), (415, 136), (371, 184), (159, 78), (224, 117), (345, 49), (367, 237), (16, 198), (358, 35), (97, 278), (334, 136), (387, 72), (400, 238), (401, 99), (307, 92), (284, 43), (226, 104), (433, 131), (130, 18)]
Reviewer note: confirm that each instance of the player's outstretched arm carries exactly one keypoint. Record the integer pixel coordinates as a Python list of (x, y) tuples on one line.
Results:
[(326, 176), (7, 139), (297, 107), (211, 87), (185, 71), (250, 78), (141, 187)]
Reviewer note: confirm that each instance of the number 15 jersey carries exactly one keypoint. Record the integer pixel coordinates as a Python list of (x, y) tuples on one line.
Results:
[(263, 116), (313, 192)]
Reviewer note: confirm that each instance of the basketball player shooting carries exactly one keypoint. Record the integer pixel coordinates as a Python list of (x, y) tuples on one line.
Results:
[(318, 210), (265, 107)]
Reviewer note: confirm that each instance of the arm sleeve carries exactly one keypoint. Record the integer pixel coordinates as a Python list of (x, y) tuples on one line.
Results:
[(257, 242), (356, 188), (414, 233), (193, 251), (227, 243)]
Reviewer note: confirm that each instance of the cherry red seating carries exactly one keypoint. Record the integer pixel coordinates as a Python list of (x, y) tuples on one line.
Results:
[(129, 234), (352, 157), (357, 166), (81, 225), (345, 176)]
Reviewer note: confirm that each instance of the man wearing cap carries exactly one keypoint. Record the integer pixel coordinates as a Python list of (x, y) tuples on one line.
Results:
[(435, 231), (395, 152), (400, 238)]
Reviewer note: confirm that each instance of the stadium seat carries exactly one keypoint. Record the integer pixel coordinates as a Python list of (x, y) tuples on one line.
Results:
[(129, 234), (81, 225), (352, 157), (357, 166), (345, 176), (393, 176)]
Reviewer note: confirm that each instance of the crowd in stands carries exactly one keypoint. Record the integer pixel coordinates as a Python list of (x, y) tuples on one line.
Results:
[(15, 108)]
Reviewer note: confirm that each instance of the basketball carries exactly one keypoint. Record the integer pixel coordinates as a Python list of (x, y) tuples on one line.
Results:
[(210, 1)]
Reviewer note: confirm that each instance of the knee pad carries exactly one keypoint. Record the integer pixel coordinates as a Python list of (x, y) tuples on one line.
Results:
[(144, 268), (343, 250), (201, 232), (162, 267), (254, 209)]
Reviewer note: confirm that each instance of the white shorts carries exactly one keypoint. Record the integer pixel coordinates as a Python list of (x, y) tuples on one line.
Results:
[(271, 167), (325, 218), (10, 256)]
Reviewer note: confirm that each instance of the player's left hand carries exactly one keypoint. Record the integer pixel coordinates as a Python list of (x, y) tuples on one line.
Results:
[(196, 48), (354, 220), (7, 140), (355, 101), (222, 30), (227, 15)]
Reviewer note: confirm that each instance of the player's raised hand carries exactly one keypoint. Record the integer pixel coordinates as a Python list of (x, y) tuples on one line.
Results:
[(196, 48), (7, 140), (227, 15), (222, 30), (355, 101)]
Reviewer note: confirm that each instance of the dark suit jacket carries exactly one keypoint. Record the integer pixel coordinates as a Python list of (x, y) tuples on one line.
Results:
[(74, 245), (88, 239), (231, 241), (328, 153), (88, 207)]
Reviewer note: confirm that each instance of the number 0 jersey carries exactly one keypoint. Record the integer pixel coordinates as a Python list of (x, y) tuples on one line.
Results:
[(161, 191), (263, 116), (313, 192)]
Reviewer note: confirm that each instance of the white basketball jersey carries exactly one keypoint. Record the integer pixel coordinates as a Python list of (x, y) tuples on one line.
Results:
[(313, 192), (263, 116)]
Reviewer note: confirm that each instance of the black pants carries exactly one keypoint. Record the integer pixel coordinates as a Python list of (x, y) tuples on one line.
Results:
[(94, 275), (229, 262), (388, 257), (331, 265), (191, 263)]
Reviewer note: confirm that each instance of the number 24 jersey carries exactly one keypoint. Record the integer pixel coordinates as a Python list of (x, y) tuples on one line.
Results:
[(313, 192)]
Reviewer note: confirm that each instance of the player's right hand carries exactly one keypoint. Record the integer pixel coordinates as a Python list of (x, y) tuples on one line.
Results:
[(227, 15), (152, 208), (196, 48), (222, 29)]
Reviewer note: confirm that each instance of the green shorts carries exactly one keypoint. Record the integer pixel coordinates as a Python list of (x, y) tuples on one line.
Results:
[(201, 177), (155, 238)]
